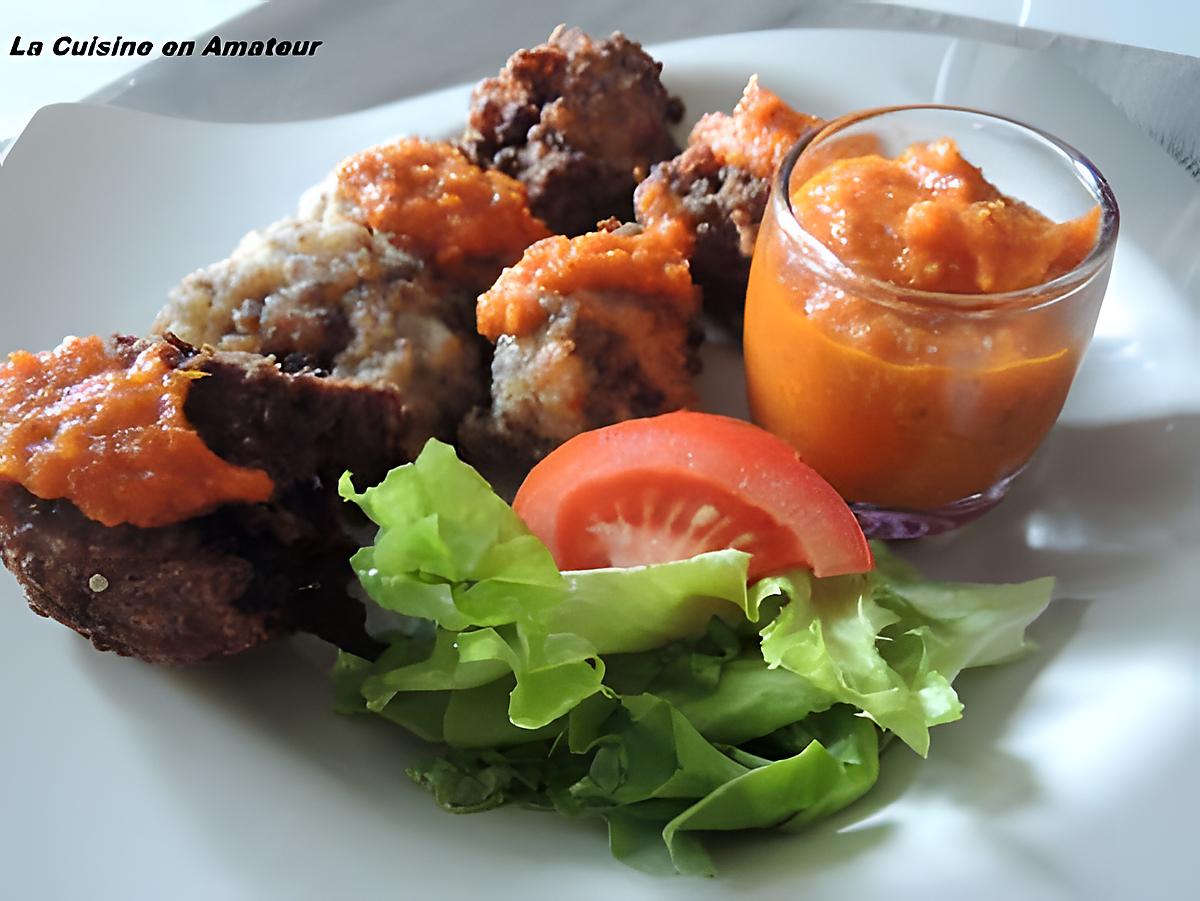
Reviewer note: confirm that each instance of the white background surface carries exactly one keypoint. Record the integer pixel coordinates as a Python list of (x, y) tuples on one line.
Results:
[(32, 82), (1072, 776), (29, 83)]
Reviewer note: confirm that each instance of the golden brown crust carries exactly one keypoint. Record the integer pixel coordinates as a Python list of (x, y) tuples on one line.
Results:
[(332, 297)]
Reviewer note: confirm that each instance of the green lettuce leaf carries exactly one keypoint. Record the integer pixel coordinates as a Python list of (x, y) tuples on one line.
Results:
[(672, 700), (890, 644), (451, 551), (643, 607), (642, 767)]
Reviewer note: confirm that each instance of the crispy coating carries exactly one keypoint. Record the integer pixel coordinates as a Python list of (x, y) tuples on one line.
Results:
[(579, 122), (334, 297), (600, 350), (715, 193)]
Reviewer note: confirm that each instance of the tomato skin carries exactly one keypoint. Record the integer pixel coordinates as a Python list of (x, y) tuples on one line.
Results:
[(680, 467)]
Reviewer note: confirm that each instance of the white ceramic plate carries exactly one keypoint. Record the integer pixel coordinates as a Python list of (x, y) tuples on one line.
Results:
[(1072, 775)]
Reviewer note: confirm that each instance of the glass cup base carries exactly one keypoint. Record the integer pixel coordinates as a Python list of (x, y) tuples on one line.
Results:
[(892, 524)]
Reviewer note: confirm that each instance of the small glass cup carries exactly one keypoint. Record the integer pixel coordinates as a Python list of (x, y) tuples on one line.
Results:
[(920, 407)]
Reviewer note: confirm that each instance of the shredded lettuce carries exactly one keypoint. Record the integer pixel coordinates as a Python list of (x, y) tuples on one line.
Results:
[(669, 700)]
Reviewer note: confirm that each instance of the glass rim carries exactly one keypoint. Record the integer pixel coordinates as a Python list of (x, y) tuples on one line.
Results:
[(888, 293)]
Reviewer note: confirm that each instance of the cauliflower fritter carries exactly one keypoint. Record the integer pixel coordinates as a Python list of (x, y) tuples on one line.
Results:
[(579, 122), (717, 191), (589, 331), (333, 297)]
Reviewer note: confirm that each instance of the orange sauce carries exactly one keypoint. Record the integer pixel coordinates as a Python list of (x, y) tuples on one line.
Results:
[(79, 423), (759, 133), (648, 264), (756, 137), (930, 220), (660, 210), (434, 202), (899, 407)]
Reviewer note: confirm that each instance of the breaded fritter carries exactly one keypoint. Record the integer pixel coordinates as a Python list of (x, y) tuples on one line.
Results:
[(589, 331), (579, 122), (465, 223), (717, 191), (334, 297)]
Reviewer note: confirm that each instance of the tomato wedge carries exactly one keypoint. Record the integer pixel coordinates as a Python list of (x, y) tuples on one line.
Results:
[(673, 486)]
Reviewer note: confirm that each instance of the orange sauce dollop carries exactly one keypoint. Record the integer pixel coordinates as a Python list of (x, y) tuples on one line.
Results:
[(756, 138), (930, 220), (434, 202), (79, 423), (759, 133), (912, 408), (647, 263), (660, 210)]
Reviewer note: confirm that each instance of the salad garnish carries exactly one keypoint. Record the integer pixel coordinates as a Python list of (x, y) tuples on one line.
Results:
[(671, 699)]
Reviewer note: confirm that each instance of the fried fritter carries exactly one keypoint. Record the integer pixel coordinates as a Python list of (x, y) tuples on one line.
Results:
[(334, 297), (579, 122), (721, 207), (717, 190), (589, 331), (465, 223)]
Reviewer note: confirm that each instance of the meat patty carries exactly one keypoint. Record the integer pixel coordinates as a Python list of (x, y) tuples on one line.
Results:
[(579, 122), (334, 297), (218, 584), (199, 590)]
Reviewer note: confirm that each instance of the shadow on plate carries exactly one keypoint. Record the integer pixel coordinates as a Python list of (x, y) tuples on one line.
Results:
[(1096, 507), (280, 691), (965, 763), (276, 703)]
